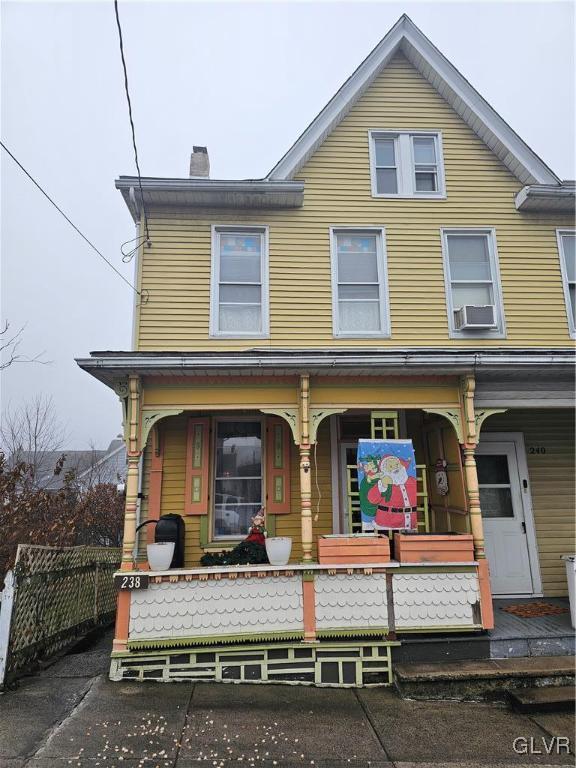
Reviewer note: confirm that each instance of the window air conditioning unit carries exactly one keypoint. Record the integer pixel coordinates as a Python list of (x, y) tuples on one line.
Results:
[(472, 316)]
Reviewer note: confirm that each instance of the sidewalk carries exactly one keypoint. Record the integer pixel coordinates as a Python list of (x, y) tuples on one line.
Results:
[(72, 715)]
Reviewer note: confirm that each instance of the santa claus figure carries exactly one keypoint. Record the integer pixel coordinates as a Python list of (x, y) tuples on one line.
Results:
[(394, 495)]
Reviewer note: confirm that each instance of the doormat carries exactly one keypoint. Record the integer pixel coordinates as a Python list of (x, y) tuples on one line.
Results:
[(533, 610)]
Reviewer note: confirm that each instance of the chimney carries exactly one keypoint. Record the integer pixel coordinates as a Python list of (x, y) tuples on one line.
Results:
[(199, 163)]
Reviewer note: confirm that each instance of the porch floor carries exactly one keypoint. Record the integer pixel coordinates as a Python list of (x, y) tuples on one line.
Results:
[(537, 636), (511, 637)]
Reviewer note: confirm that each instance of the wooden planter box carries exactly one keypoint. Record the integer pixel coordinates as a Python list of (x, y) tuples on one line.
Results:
[(433, 548), (364, 550)]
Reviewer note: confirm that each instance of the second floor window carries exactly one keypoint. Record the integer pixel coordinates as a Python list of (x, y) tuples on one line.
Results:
[(567, 248), (406, 164), (472, 283), (239, 301), (359, 287)]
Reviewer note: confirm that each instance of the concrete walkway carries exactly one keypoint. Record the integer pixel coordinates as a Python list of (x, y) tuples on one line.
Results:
[(72, 715)]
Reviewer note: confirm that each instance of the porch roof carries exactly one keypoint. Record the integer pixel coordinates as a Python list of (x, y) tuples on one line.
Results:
[(110, 365)]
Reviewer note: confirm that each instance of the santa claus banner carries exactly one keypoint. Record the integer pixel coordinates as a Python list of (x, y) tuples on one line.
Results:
[(387, 484)]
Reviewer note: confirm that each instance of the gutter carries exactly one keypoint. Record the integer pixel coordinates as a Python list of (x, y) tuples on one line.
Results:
[(547, 197), (407, 360)]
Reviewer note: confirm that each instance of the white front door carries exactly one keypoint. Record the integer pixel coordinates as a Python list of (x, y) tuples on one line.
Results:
[(506, 514)]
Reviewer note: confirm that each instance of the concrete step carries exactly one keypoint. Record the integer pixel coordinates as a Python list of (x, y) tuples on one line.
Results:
[(482, 679), (561, 698)]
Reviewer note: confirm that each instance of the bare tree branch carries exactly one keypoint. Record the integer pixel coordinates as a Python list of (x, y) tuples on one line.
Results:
[(9, 346)]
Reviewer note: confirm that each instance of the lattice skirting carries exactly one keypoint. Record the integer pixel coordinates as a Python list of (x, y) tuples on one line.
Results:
[(342, 664)]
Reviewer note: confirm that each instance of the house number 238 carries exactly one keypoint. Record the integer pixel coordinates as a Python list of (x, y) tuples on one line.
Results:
[(131, 581)]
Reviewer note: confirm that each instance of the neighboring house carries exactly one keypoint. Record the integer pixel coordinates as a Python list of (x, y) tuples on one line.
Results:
[(405, 270), (87, 468)]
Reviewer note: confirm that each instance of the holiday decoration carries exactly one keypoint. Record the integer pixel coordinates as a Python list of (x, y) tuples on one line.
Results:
[(251, 551), (387, 484)]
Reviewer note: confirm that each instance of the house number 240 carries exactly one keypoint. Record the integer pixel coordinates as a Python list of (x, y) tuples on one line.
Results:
[(532, 449)]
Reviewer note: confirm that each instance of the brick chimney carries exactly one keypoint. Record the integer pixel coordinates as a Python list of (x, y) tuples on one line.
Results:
[(199, 163)]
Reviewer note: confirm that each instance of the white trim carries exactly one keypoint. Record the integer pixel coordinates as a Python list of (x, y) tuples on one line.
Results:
[(518, 439), (405, 166), (456, 90), (382, 265), (335, 474), (263, 230), (490, 232), (565, 282)]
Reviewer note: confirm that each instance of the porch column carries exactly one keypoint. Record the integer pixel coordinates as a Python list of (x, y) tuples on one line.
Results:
[(470, 472), (132, 438), (473, 496), (305, 474)]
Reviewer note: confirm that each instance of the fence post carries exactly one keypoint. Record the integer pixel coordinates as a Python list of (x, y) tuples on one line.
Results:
[(8, 596)]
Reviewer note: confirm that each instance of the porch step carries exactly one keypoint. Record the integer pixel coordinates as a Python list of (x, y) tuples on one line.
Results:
[(482, 679), (550, 699)]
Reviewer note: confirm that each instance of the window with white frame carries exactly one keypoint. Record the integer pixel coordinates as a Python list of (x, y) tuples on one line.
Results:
[(239, 300), (406, 164), (237, 476), (473, 293), (359, 286), (567, 248)]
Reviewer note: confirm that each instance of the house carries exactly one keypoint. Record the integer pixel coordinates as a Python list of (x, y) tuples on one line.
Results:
[(87, 468), (406, 270)]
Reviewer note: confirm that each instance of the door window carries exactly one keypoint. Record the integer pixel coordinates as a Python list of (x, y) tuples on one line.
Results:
[(494, 484)]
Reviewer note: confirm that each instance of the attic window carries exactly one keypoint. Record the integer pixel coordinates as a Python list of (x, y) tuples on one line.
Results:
[(406, 164)]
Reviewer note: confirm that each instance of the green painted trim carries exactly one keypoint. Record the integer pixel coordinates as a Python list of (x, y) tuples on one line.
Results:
[(344, 632), (434, 630), (255, 648), (204, 530), (308, 575), (214, 639)]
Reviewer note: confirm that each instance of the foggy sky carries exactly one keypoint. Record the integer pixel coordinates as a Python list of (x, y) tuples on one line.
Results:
[(243, 79)]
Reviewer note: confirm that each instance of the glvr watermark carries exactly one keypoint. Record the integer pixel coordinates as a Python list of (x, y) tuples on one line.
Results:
[(530, 745)]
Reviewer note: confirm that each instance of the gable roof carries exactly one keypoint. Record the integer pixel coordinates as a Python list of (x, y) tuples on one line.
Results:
[(405, 37)]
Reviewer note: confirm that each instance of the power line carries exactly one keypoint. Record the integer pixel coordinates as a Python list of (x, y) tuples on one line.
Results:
[(82, 235), (130, 115)]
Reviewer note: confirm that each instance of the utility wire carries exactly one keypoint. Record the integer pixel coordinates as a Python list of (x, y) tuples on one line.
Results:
[(82, 235), (131, 118)]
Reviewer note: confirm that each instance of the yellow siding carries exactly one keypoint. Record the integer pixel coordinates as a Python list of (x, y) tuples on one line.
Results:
[(173, 480), (142, 533), (290, 525), (552, 481), (176, 269)]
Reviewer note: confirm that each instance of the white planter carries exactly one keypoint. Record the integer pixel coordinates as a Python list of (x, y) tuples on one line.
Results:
[(160, 555), (278, 549)]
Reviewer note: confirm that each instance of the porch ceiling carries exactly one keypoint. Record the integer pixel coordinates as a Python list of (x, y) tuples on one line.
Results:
[(108, 366)]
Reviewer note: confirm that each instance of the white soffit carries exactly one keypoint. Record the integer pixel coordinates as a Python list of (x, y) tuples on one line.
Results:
[(450, 84)]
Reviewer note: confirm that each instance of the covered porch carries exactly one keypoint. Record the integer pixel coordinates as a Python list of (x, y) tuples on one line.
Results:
[(215, 448)]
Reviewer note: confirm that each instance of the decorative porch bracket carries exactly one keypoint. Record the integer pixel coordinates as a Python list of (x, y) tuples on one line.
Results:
[(454, 417), (121, 388), (149, 418), (481, 414), (291, 415), (317, 415)]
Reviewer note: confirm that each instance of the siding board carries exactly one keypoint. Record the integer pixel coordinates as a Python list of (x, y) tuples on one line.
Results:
[(552, 480), (480, 189)]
